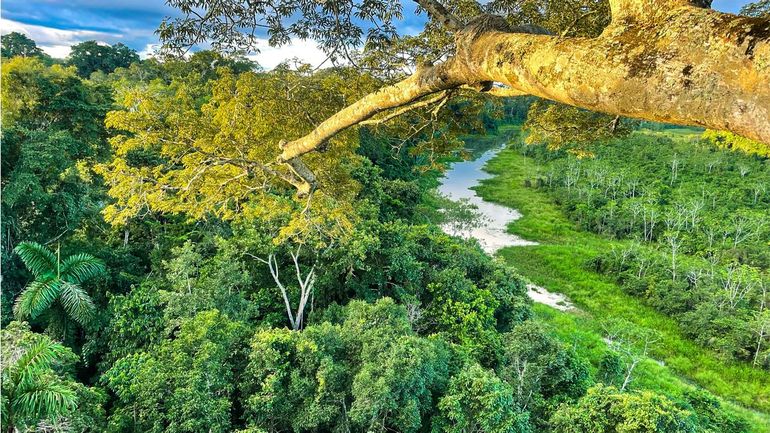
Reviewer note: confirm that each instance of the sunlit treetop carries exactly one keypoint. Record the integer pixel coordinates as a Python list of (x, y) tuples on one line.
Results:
[(204, 150), (207, 148)]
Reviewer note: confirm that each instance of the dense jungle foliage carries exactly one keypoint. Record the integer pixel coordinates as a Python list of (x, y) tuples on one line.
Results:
[(155, 280)]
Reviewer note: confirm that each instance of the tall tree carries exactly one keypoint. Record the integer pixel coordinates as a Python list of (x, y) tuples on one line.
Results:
[(183, 385), (18, 44), (478, 401), (91, 56)]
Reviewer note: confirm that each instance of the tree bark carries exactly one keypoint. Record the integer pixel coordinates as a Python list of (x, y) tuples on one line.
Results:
[(693, 66), (426, 81), (672, 61)]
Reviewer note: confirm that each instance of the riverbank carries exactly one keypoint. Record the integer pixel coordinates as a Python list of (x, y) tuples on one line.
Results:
[(557, 263), (459, 182)]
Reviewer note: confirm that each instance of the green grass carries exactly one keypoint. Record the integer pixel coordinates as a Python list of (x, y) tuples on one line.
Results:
[(558, 264)]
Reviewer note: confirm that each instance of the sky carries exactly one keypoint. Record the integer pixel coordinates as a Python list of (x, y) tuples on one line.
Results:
[(56, 25)]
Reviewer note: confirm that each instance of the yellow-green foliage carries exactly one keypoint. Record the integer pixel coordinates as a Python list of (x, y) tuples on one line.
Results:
[(22, 80), (728, 140), (209, 150), (561, 126)]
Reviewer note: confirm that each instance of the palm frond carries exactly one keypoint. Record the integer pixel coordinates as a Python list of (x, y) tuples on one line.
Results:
[(36, 298), (81, 267), (38, 259), (77, 303), (5, 416), (38, 358), (46, 399)]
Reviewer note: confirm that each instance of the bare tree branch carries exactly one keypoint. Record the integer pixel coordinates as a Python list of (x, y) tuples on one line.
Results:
[(272, 264), (306, 285)]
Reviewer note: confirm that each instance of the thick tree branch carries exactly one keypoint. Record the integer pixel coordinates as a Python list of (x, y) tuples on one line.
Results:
[(670, 61), (303, 179), (421, 104), (426, 81), (698, 67)]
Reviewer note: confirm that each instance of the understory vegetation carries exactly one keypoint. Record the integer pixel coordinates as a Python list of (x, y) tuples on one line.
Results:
[(698, 220), (568, 259)]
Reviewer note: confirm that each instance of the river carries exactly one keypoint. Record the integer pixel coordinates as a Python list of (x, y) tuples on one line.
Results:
[(491, 233), (458, 183)]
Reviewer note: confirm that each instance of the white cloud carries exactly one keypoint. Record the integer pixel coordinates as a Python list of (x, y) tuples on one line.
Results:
[(56, 51), (148, 51), (55, 42), (306, 51)]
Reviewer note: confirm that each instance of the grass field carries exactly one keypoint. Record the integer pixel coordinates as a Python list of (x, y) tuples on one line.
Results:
[(558, 264)]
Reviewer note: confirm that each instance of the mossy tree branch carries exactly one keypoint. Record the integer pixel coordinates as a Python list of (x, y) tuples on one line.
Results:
[(672, 61)]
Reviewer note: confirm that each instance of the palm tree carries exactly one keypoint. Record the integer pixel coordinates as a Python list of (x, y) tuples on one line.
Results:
[(31, 389), (57, 285)]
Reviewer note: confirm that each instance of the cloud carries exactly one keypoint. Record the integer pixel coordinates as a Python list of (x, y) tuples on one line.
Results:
[(56, 24), (55, 42), (141, 16), (57, 51), (148, 51), (306, 51)]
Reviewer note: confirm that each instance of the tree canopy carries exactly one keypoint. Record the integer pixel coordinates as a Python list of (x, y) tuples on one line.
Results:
[(18, 44), (91, 56)]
